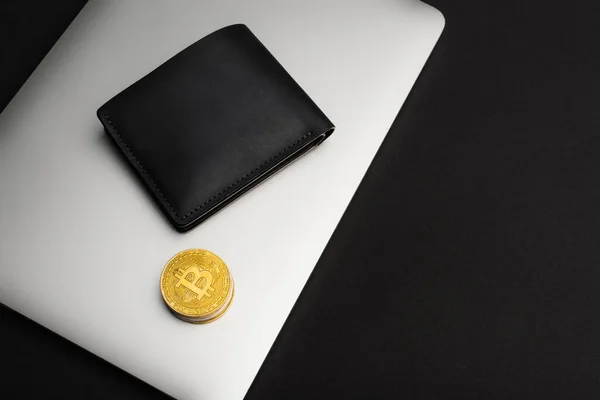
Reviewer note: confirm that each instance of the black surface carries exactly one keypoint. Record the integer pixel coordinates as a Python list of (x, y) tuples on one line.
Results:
[(468, 264), (211, 123), (37, 363), (28, 30)]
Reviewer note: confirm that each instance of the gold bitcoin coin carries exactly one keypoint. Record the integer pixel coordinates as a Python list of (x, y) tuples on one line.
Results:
[(196, 286)]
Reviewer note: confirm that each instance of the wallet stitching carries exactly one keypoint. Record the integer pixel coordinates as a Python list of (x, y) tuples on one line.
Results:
[(213, 198), (270, 160), (130, 153)]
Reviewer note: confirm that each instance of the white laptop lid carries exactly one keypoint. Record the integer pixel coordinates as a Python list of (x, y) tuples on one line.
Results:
[(82, 245)]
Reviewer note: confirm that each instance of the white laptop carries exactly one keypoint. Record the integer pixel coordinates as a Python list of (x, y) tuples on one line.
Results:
[(82, 245)]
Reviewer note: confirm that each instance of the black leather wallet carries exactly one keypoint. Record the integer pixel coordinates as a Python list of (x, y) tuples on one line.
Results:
[(211, 123)]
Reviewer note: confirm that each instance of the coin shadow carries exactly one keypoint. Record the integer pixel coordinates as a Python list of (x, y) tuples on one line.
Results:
[(112, 151)]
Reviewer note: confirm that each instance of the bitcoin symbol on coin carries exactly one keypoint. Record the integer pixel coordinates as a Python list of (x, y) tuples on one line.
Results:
[(196, 274), (192, 285)]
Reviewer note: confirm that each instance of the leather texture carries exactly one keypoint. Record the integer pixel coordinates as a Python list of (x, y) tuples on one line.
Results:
[(211, 123)]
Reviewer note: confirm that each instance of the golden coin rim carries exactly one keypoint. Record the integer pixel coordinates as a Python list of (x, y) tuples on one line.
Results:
[(210, 316), (207, 321), (179, 309)]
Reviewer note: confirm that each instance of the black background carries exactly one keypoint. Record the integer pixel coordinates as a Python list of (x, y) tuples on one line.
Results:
[(28, 30), (467, 265)]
